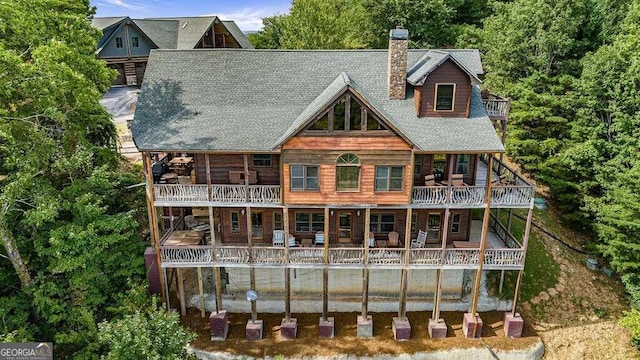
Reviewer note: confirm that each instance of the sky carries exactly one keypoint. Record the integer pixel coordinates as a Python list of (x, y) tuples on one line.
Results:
[(247, 14)]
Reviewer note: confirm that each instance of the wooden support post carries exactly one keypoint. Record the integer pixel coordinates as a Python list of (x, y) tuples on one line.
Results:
[(501, 282), (218, 284), (402, 312), (525, 245), (252, 269), (153, 218), (287, 270), (208, 172), (437, 295), (365, 260), (325, 270), (165, 293), (201, 291), (483, 240), (246, 178), (183, 305)]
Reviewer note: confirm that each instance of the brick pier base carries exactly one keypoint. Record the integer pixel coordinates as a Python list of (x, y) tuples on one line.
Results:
[(513, 325), (469, 322), (219, 325)]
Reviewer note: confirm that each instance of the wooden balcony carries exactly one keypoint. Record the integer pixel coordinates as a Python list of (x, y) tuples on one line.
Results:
[(198, 195), (497, 108)]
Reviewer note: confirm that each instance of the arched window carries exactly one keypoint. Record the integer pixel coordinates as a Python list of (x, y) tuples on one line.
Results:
[(347, 172)]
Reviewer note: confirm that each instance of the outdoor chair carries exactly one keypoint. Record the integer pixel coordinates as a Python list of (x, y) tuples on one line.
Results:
[(319, 238), (457, 180), (394, 239), (278, 237), (420, 241), (192, 223), (430, 180)]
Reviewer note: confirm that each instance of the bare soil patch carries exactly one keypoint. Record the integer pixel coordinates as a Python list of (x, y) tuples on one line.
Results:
[(346, 341)]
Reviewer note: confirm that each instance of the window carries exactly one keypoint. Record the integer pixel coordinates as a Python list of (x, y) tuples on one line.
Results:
[(277, 221), (439, 165), (462, 164), (337, 118), (119, 42), (309, 222), (445, 97), (417, 164), (389, 178), (256, 225), (382, 222), (261, 160), (304, 177), (414, 222), (235, 222), (347, 172), (455, 224), (134, 42)]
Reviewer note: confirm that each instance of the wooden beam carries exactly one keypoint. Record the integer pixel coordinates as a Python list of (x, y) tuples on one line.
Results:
[(365, 271), (287, 270), (246, 178), (483, 239), (201, 291), (252, 269), (153, 219), (347, 113), (525, 246), (402, 312), (183, 305), (208, 165), (218, 284), (325, 270)]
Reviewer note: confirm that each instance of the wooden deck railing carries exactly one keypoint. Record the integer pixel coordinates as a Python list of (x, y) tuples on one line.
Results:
[(197, 194), (496, 107), (456, 195), (202, 255)]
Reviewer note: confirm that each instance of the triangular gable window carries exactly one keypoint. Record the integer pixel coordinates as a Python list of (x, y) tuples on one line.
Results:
[(347, 114)]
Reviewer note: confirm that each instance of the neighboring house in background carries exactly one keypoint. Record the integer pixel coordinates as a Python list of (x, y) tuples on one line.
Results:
[(339, 162), (126, 42)]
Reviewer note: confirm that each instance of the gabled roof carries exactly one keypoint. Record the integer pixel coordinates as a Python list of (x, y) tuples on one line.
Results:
[(174, 33), (252, 100), (105, 22), (417, 74), (335, 90), (237, 34), (163, 32)]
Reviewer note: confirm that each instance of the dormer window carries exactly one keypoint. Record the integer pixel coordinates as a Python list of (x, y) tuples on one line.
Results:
[(119, 42), (445, 96), (347, 114)]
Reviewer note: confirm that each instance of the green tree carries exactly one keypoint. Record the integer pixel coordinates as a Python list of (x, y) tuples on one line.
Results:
[(428, 22), (66, 222), (144, 331)]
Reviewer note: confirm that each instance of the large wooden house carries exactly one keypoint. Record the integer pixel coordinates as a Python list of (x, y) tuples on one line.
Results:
[(377, 169), (126, 42)]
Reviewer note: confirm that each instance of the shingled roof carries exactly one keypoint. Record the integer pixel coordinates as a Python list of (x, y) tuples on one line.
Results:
[(250, 100), (175, 33)]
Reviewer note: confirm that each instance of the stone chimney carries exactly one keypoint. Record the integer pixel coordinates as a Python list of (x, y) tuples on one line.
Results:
[(397, 65)]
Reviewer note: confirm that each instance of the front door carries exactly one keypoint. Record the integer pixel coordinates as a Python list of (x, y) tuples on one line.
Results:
[(256, 225), (344, 227), (434, 221)]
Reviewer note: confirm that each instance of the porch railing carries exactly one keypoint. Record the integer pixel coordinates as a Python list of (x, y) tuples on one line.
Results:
[(199, 254), (306, 255), (510, 195), (346, 256), (503, 257), (268, 255), (496, 107), (502, 233), (461, 257), (177, 256), (438, 195), (190, 193), (381, 256)]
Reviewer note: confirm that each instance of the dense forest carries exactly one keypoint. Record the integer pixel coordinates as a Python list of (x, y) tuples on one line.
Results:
[(71, 224), (72, 221), (572, 70)]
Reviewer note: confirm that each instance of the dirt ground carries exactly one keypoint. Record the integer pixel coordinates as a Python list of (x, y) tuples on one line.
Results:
[(346, 342), (578, 318)]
